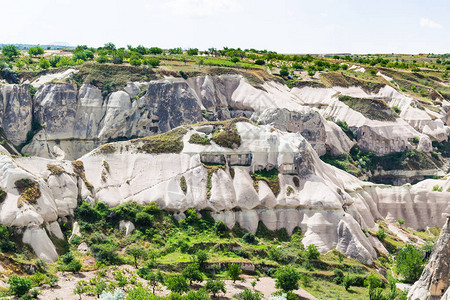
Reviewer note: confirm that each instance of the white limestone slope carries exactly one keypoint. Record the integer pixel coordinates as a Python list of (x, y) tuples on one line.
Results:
[(329, 205), (58, 199)]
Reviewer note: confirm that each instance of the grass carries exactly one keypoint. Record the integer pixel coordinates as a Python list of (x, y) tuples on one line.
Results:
[(198, 139), (343, 162), (28, 189), (210, 170), (78, 168), (227, 136), (55, 170), (331, 79), (109, 77), (169, 142), (3, 194), (374, 109), (270, 177)]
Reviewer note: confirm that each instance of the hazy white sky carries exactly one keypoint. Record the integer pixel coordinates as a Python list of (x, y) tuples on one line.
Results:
[(286, 26)]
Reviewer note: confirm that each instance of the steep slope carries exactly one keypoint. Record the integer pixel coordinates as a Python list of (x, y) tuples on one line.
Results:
[(76, 120), (435, 279)]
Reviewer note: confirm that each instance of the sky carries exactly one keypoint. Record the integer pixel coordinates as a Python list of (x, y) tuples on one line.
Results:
[(285, 26)]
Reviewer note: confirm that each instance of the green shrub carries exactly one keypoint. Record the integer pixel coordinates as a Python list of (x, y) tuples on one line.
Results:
[(396, 109), (154, 62), (338, 276), (177, 284), (105, 252), (102, 59), (74, 266), (198, 139), (312, 252), (247, 294), (215, 286), (381, 234), (250, 238), (220, 228), (192, 273), (437, 188), (19, 286), (287, 278), (409, 262), (234, 270)]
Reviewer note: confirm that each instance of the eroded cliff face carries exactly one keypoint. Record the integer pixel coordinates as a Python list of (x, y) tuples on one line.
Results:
[(78, 120), (15, 112), (330, 206), (435, 279)]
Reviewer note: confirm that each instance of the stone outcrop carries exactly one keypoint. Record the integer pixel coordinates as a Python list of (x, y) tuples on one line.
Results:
[(78, 120), (329, 205), (15, 112), (435, 279)]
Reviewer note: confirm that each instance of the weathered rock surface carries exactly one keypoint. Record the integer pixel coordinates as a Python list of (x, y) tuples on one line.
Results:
[(435, 279), (77, 121), (15, 112), (329, 205)]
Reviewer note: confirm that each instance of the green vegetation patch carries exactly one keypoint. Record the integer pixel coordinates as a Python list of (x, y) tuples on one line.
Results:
[(110, 77), (344, 162), (169, 142), (331, 79), (227, 136), (211, 168), (198, 139), (55, 170), (2, 195), (78, 168), (410, 160), (270, 177), (183, 184), (28, 189), (374, 109), (359, 162), (107, 148)]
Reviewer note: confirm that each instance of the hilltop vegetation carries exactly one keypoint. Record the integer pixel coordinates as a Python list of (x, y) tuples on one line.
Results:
[(423, 76)]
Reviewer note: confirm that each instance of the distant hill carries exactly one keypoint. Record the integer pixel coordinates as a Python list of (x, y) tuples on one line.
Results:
[(61, 45)]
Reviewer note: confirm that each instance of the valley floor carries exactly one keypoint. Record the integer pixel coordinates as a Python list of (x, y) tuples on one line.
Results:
[(67, 282)]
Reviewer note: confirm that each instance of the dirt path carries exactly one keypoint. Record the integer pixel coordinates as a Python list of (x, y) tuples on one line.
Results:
[(67, 283)]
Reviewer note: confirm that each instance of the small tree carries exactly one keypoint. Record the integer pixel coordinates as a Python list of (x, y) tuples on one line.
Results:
[(192, 51), (410, 263), (35, 51), (287, 278), (192, 273), (381, 234), (10, 51), (234, 59), (201, 257), (247, 294), (44, 63), (177, 284), (312, 252), (137, 253), (154, 279), (400, 222), (372, 282), (284, 71), (19, 286), (215, 286), (234, 270), (250, 238), (80, 288)]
